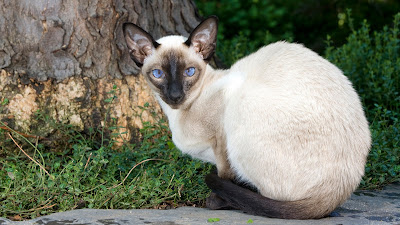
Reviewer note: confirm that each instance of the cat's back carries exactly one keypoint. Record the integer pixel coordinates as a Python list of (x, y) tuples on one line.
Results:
[(283, 60), (287, 77), (293, 72)]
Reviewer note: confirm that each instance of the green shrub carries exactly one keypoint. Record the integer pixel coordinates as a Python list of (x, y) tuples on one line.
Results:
[(244, 26), (251, 18), (371, 60), (307, 21)]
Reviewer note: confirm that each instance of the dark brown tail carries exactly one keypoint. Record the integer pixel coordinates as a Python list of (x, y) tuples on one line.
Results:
[(227, 195)]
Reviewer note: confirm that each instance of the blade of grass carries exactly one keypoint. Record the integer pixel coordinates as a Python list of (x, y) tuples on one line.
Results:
[(51, 177), (146, 160)]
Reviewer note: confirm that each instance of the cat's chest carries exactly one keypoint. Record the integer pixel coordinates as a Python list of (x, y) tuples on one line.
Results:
[(192, 141), (191, 136)]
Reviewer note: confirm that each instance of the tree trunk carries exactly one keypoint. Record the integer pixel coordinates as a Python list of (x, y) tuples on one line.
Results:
[(67, 59)]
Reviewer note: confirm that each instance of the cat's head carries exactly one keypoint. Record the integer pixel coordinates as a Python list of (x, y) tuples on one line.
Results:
[(173, 65)]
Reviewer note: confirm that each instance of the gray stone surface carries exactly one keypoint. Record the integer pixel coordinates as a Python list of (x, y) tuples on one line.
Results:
[(364, 207)]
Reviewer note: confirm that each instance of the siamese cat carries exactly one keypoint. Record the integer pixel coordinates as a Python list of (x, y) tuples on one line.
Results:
[(282, 120)]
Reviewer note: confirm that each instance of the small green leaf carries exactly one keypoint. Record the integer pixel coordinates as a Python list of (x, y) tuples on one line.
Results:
[(250, 221), (212, 220), (170, 144), (108, 100), (5, 101)]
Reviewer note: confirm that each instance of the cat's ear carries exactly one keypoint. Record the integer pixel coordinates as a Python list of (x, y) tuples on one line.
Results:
[(140, 43), (203, 39)]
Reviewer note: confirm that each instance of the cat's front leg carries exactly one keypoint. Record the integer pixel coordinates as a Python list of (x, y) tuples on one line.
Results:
[(225, 172), (221, 155)]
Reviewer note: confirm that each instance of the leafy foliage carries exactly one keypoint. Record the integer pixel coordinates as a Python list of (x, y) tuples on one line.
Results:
[(307, 22), (244, 26), (88, 174)]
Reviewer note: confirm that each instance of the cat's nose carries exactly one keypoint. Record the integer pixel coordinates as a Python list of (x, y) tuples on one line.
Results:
[(175, 93)]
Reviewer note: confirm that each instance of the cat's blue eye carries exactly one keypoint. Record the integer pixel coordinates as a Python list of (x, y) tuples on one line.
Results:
[(157, 73), (190, 71)]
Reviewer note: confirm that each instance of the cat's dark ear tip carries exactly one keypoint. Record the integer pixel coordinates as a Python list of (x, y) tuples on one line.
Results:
[(213, 17), (207, 20), (126, 24)]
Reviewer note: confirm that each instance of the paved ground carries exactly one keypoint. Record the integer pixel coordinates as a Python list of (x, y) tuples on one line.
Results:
[(379, 207)]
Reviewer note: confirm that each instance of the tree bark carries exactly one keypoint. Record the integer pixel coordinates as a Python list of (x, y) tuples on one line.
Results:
[(64, 59)]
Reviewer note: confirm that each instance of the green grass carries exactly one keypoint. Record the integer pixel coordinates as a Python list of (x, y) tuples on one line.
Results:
[(151, 174)]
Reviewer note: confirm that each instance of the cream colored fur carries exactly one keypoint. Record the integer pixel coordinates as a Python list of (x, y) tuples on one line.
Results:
[(282, 119)]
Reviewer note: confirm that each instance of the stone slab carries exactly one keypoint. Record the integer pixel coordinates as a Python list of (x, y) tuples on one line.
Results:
[(364, 207)]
